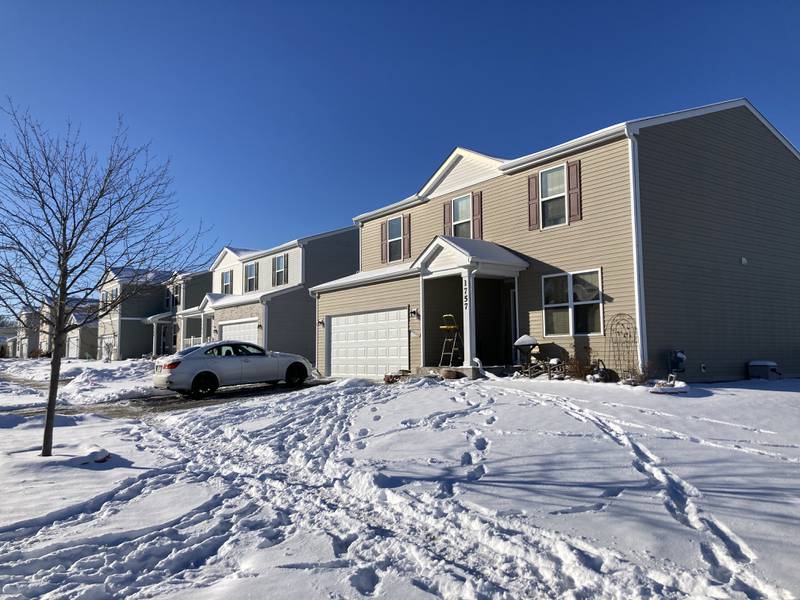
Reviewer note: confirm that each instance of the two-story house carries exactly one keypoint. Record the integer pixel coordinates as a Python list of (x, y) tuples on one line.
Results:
[(82, 342), (123, 332), (262, 296), (27, 338), (181, 291), (658, 234)]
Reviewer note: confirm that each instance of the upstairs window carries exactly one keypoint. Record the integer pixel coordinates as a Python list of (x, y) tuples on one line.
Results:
[(573, 303), (168, 298), (553, 202), (394, 238), (227, 282), (251, 277), (462, 216), (279, 269), (176, 295)]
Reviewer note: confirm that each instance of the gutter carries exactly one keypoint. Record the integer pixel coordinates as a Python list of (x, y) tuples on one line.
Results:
[(636, 229), (322, 288)]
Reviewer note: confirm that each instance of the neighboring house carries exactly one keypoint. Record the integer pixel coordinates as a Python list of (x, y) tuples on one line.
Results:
[(77, 305), (82, 342), (181, 291), (122, 333), (667, 233), (28, 333), (8, 340), (261, 296)]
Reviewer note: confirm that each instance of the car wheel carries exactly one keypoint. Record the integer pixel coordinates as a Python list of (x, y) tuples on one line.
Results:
[(204, 385), (295, 374)]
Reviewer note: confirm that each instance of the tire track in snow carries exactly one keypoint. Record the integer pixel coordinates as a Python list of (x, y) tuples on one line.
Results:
[(727, 555)]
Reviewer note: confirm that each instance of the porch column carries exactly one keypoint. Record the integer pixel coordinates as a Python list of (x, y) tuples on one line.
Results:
[(155, 338), (202, 328), (179, 321), (468, 305)]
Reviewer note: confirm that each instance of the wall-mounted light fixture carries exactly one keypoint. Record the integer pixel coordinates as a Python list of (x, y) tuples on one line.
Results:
[(414, 313), (321, 322)]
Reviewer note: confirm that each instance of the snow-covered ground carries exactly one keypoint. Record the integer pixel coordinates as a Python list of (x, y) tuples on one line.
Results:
[(92, 381), (491, 489)]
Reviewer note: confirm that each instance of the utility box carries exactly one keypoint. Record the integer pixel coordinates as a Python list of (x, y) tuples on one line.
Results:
[(763, 369)]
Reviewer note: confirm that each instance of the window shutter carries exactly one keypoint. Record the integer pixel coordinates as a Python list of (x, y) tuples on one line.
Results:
[(406, 236), (384, 242), (533, 201), (285, 267), (574, 190), (448, 219), (477, 215), (256, 275), (274, 271)]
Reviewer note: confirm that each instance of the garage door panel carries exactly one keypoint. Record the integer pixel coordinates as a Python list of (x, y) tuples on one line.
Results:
[(369, 344), (242, 332)]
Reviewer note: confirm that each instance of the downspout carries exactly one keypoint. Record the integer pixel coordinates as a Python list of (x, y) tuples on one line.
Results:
[(638, 260), (265, 322)]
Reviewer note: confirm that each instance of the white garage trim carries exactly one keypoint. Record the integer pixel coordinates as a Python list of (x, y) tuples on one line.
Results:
[(235, 321), (368, 344)]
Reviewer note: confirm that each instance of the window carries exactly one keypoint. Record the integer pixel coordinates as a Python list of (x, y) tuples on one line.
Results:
[(103, 299), (251, 277), (280, 269), (394, 237), (225, 350), (462, 217), (248, 350), (227, 282), (167, 297), (573, 303), (176, 295), (114, 294), (553, 199)]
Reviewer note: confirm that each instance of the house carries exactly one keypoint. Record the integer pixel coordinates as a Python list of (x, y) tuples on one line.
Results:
[(85, 307), (8, 342), (122, 333), (181, 291), (658, 234), (82, 341), (27, 338), (262, 296)]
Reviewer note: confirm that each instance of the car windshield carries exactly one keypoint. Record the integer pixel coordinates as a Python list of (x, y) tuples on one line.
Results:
[(189, 350)]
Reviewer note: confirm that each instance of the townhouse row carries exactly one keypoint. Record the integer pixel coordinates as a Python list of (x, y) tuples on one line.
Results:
[(666, 233)]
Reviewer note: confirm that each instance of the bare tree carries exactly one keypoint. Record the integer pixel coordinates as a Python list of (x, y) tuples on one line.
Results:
[(67, 216)]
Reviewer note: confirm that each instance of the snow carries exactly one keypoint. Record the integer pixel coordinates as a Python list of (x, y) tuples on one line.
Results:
[(491, 489), (92, 381)]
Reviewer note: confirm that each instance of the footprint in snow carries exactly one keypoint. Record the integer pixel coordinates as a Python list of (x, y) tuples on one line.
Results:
[(361, 445), (481, 444), (363, 432), (490, 420), (466, 459), (376, 418), (365, 580), (373, 409), (477, 473)]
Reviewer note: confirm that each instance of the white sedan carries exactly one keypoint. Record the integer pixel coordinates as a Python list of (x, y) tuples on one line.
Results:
[(200, 370)]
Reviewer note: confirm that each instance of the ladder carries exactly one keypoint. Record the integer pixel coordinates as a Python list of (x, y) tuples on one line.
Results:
[(451, 346)]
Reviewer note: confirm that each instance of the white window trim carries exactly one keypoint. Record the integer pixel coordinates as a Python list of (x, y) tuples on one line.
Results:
[(389, 240), (247, 278), (453, 214), (229, 284), (571, 304), (236, 321), (542, 199), (282, 270)]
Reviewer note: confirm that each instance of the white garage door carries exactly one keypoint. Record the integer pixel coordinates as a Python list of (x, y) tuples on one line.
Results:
[(370, 344), (72, 347), (241, 332)]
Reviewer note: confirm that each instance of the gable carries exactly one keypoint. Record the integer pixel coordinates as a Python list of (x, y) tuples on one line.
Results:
[(462, 168)]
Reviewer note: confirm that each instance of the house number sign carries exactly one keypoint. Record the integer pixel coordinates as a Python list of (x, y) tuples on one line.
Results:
[(465, 285)]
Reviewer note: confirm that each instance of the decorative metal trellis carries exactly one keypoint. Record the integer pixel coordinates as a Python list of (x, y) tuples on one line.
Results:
[(621, 342)]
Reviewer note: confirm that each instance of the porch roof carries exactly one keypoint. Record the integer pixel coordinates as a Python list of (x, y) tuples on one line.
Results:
[(447, 252), (159, 317), (215, 301)]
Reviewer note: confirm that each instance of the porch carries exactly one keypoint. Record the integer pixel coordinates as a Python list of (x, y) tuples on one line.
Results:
[(468, 291), (195, 326)]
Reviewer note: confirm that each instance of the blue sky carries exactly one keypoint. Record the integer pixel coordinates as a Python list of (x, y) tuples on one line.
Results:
[(294, 116)]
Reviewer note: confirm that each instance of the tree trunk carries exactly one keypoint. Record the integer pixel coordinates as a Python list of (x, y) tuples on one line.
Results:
[(55, 371)]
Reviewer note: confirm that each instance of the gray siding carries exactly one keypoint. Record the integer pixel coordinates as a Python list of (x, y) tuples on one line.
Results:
[(331, 257), (714, 189), (291, 323), (196, 289), (135, 339)]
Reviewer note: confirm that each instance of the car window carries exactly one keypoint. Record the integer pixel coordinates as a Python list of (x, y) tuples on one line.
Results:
[(221, 350), (248, 350)]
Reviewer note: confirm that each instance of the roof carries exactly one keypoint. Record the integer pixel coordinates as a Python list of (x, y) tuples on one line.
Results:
[(480, 251), (127, 274), (215, 301), (248, 254), (83, 318), (159, 317), (620, 130), (397, 271)]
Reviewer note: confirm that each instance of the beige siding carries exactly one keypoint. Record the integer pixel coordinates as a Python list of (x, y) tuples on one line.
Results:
[(715, 189), (230, 262), (377, 296), (601, 240)]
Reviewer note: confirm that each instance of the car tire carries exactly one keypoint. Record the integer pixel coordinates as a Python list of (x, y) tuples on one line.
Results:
[(204, 385), (296, 374)]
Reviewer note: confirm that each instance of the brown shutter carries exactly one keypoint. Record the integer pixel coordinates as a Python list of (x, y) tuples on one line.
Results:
[(406, 236), (533, 201), (256, 274), (274, 269), (447, 228), (231, 272), (477, 215), (384, 237), (574, 190), (285, 267)]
